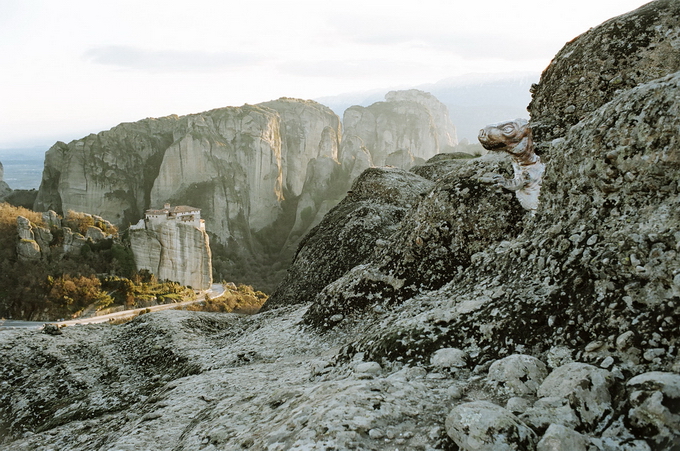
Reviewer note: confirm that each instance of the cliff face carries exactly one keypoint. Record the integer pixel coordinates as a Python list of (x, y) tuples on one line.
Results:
[(39, 243), (263, 175), (244, 167), (407, 129), (174, 251), (5, 190)]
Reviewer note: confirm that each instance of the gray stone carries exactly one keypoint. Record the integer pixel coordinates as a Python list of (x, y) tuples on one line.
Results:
[(449, 358), (483, 426), (408, 128), (517, 375), (561, 438), (654, 353), (173, 250), (607, 362), (52, 329), (643, 46), (368, 368), (517, 405), (655, 407), (586, 386), (95, 234), (550, 410), (348, 234)]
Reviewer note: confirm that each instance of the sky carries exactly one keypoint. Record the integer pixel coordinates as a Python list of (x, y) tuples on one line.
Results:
[(69, 68)]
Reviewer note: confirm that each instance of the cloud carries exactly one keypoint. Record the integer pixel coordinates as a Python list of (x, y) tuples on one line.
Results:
[(167, 61), (466, 42), (469, 45), (346, 69)]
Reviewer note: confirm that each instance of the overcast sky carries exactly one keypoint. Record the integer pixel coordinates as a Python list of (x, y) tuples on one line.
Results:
[(69, 68)]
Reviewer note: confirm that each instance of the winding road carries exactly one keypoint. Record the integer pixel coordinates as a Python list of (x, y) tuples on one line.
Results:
[(215, 291)]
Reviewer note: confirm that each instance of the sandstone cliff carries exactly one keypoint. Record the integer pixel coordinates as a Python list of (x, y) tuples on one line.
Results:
[(40, 243), (406, 129), (174, 251), (263, 175), (5, 190), (242, 166)]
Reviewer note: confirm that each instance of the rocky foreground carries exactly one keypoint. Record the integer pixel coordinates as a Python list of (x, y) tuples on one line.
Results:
[(427, 310)]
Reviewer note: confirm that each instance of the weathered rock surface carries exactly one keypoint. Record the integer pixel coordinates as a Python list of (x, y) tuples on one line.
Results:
[(602, 63), (517, 375), (484, 426), (175, 251), (27, 248), (587, 384), (560, 438), (350, 232), (589, 286), (5, 190), (36, 242), (267, 383), (406, 129), (460, 216), (655, 407)]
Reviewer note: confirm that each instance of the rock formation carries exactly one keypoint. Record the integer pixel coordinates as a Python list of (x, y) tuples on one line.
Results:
[(350, 232), (602, 63), (263, 175), (5, 190), (244, 167), (406, 129), (39, 243), (472, 326), (173, 249)]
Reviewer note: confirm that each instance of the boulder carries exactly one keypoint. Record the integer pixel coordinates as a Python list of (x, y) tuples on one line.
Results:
[(516, 375), (596, 67), (350, 233), (484, 426), (586, 387), (561, 438), (27, 248), (655, 408), (449, 358), (95, 234), (550, 410)]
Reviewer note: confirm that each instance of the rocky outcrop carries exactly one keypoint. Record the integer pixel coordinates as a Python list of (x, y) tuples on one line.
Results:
[(458, 217), (350, 232), (27, 248), (263, 175), (173, 250), (244, 167), (406, 129), (602, 63), (5, 190), (39, 243)]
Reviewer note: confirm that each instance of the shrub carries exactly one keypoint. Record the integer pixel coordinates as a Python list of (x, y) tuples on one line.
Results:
[(78, 222)]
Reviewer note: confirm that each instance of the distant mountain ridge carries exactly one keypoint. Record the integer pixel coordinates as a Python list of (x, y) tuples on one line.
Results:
[(473, 100)]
